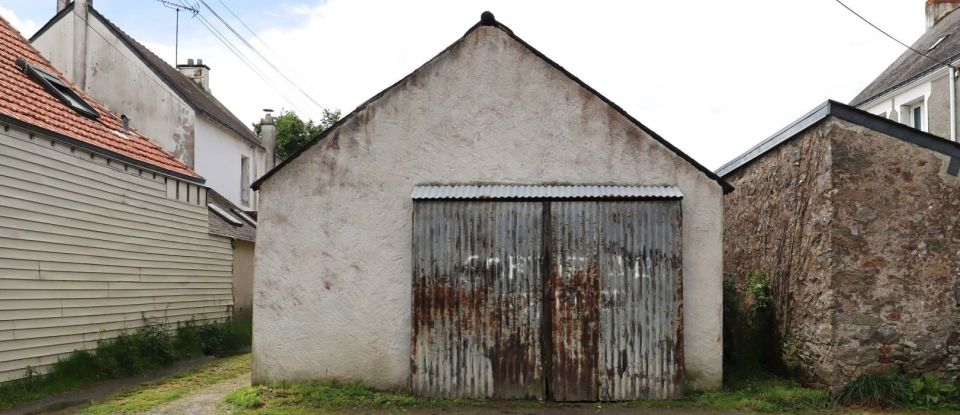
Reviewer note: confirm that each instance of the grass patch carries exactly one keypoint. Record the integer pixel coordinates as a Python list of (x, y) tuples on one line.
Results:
[(150, 347), (151, 395), (765, 394), (330, 396)]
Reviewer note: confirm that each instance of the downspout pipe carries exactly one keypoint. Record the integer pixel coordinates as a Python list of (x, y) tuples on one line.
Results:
[(953, 103)]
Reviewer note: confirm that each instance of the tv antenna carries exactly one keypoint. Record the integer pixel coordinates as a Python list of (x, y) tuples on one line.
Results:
[(178, 8)]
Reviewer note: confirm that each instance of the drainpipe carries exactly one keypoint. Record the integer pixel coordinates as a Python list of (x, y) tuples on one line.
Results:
[(953, 103)]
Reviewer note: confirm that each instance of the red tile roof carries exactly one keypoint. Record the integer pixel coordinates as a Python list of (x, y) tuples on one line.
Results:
[(24, 100)]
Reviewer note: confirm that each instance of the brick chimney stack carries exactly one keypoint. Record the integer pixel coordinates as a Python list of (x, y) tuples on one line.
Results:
[(200, 73), (938, 9)]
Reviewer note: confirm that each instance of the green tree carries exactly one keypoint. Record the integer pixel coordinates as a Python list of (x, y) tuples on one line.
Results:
[(293, 132)]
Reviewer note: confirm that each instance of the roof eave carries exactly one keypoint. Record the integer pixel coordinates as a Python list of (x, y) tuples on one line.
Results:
[(53, 20), (847, 113), (99, 150)]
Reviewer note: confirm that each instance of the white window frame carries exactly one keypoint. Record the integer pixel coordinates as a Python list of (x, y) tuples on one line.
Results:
[(907, 113), (245, 180)]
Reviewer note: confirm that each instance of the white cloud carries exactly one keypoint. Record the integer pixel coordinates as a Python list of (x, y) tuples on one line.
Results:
[(712, 77), (26, 27)]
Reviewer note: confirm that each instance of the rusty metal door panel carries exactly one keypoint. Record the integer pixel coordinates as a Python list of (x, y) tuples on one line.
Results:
[(641, 346), (574, 290), (477, 299)]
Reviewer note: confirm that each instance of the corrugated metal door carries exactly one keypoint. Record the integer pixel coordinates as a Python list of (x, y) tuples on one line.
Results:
[(477, 288), (574, 293), (612, 326), (641, 347)]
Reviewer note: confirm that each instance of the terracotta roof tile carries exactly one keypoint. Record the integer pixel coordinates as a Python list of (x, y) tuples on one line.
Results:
[(24, 100)]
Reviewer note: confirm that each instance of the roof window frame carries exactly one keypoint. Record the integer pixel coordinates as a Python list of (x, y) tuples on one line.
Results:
[(938, 42), (223, 214), (59, 89), (243, 215)]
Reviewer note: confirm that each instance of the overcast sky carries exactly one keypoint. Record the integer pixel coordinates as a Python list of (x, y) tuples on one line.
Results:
[(713, 77)]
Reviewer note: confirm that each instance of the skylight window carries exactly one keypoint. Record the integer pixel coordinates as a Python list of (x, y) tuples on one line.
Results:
[(223, 214), (59, 89), (243, 215), (938, 42)]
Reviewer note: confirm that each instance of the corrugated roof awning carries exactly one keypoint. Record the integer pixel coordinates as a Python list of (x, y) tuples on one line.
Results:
[(503, 191)]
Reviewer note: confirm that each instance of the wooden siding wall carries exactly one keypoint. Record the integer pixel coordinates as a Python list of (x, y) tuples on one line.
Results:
[(90, 246)]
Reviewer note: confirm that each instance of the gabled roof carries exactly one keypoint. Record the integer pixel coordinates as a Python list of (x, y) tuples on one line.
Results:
[(26, 104), (201, 101), (220, 227), (911, 66), (852, 115), (488, 20)]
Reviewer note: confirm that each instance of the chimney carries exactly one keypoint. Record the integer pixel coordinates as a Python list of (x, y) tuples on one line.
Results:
[(62, 4), (200, 73), (268, 135), (81, 10), (938, 9)]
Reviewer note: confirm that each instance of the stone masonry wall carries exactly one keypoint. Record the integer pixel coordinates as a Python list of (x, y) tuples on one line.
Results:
[(777, 221), (896, 256)]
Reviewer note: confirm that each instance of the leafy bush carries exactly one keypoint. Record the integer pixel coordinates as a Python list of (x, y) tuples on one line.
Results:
[(931, 392), (749, 331), (150, 347)]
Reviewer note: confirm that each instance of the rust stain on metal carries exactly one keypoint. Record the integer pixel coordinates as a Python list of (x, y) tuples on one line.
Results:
[(608, 272), (477, 305), (575, 285)]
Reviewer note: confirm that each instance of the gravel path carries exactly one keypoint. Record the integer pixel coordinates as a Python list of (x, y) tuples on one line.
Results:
[(206, 401)]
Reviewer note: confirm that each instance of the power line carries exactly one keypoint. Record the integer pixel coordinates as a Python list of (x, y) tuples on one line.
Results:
[(236, 52), (177, 8), (257, 52), (262, 42), (891, 36)]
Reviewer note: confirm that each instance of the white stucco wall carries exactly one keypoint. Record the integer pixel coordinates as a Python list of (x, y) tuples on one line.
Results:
[(218, 160), (332, 295)]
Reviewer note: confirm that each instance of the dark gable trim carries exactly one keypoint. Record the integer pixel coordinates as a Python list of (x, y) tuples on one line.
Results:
[(723, 184), (246, 135), (56, 18), (98, 150), (849, 114)]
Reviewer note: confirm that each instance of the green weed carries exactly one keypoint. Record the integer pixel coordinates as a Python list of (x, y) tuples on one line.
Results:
[(150, 347)]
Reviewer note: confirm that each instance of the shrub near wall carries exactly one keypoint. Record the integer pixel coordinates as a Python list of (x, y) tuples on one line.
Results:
[(150, 347), (749, 332)]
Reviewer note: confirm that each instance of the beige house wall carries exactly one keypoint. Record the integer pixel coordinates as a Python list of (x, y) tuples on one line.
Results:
[(243, 260), (332, 290), (90, 246)]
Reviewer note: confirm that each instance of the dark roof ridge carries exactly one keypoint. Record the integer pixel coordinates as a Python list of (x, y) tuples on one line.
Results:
[(491, 21), (850, 114)]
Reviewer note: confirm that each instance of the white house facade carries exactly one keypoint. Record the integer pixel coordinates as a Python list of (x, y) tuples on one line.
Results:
[(917, 90), (174, 106)]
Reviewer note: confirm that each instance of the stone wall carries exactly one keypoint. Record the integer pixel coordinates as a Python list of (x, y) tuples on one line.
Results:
[(896, 263), (859, 233), (777, 221)]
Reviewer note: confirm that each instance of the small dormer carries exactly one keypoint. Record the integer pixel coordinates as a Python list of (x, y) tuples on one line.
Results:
[(197, 72)]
